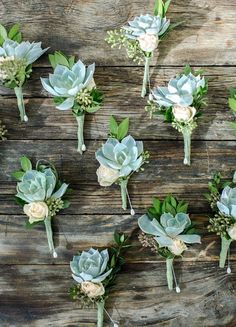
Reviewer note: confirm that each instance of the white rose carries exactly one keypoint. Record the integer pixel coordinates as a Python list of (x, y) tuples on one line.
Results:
[(184, 114), (232, 232), (36, 211), (107, 176), (92, 290), (148, 42), (177, 247)]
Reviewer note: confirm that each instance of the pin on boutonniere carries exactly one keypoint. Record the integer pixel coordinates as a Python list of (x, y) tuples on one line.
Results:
[(167, 230), (41, 194), (95, 272), (141, 37), (73, 87), (222, 199), (16, 58), (181, 104), (120, 157), (232, 105)]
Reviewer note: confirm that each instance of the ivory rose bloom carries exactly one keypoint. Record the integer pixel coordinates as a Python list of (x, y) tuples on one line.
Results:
[(232, 232), (177, 247), (36, 211), (107, 176), (92, 290), (148, 42), (184, 114)]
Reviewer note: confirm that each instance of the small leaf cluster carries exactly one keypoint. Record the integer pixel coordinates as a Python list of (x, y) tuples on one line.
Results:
[(216, 187), (59, 58), (232, 105), (13, 33), (118, 131)]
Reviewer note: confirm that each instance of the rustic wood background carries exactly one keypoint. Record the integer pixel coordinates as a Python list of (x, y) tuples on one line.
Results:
[(33, 286)]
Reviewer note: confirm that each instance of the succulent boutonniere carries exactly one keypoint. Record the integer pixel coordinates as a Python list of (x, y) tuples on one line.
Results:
[(41, 194), (16, 58), (95, 272), (181, 103), (232, 105), (222, 199), (73, 87), (119, 158), (141, 37), (167, 229)]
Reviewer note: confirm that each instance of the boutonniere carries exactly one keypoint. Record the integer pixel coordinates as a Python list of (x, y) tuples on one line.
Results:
[(141, 37), (119, 158), (41, 194), (167, 230), (73, 87), (95, 272), (181, 104), (16, 58), (222, 199), (232, 105)]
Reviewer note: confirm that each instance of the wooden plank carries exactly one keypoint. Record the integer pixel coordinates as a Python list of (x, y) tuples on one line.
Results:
[(188, 183), (37, 296), (73, 233), (46, 122), (79, 27)]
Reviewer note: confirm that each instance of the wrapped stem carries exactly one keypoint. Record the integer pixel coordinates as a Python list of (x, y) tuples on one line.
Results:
[(48, 226), (187, 145), (100, 313), (225, 244), (169, 273), (124, 191), (80, 133), (145, 76), (20, 103)]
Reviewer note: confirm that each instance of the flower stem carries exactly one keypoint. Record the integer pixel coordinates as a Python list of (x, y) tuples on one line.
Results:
[(48, 226), (225, 244), (169, 273), (187, 145), (123, 189), (100, 314), (80, 133), (145, 77), (20, 103)]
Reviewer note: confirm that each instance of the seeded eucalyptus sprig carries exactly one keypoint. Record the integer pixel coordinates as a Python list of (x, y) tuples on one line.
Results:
[(73, 87), (95, 273)]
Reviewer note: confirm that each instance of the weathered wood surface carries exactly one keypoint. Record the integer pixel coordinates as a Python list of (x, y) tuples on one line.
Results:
[(33, 286), (207, 35)]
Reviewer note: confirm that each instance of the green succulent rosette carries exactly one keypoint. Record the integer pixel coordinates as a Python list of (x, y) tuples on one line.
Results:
[(168, 231), (119, 158), (222, 199), (95, 272), (73, 87), (181, 103), (16, 59), (41, 194), (141, 37)]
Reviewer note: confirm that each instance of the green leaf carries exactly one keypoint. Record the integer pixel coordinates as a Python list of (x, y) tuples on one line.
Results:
[(182, 207), (122, 238), (61, 59), (157, 205), (52, 61), (18, 37), (170, 209), (166, 6), (66, 204), (113, 126), (113, 261), (117, 238), (18, 175), (71, 61), (232, 104), (159, 8), (14, 30), (123, 129), (1, 40), (19, 201), (3, 32), (25, 163), (173, 201)]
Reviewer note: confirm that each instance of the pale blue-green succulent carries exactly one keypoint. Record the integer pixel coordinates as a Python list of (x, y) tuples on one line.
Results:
[(180, 91), (169, 228), (39, 186), (67, 83), (149, 24), (91, 266), (30, 52), (125, 156), (227, 203)]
